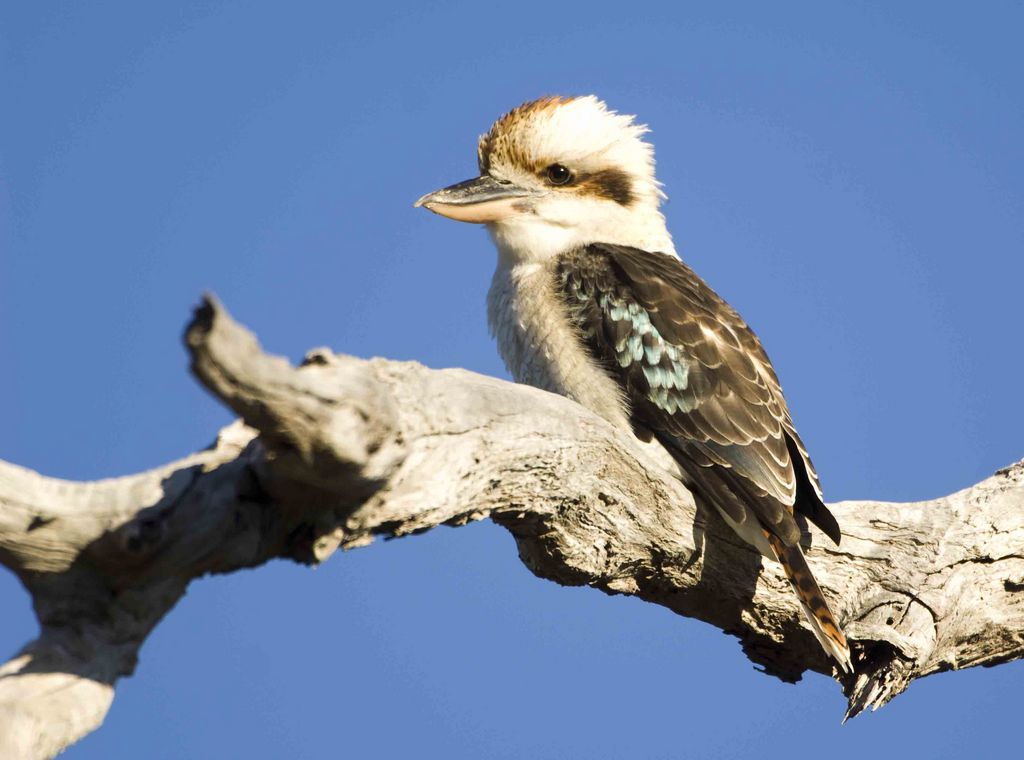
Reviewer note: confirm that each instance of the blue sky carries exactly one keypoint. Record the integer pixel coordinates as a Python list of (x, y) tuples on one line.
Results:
[(850, 177)]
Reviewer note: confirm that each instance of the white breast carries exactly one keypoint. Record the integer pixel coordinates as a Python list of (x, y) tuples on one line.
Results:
[(539, 344)]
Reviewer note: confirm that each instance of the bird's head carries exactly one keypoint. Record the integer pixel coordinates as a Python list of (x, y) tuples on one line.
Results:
[(557, 173)]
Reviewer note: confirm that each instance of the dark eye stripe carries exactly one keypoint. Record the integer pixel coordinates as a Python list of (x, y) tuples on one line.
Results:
[(613, 184)]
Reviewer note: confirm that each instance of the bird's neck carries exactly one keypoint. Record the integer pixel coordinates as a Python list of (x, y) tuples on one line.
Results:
[(534, 240)]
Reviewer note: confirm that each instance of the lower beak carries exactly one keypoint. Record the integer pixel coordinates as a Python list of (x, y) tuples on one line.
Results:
[(483, 199)]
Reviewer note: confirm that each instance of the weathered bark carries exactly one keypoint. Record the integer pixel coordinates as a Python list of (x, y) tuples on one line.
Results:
[(341, 450)]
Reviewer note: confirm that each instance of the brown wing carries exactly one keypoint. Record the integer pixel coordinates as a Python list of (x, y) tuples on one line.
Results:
[(698, 379)]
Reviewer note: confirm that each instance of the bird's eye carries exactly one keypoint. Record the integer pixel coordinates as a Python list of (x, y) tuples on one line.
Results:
[(558, 174)]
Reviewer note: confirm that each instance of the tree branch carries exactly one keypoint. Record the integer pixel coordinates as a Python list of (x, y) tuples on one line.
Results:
[(340, 450)]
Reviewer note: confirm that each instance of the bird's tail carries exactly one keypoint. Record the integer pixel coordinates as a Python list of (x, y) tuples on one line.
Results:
[(812, 601)]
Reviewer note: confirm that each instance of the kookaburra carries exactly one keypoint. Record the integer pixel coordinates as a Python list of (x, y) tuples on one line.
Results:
[(590, 300)]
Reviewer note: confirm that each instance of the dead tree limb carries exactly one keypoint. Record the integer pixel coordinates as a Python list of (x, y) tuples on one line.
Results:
[(341, 450)]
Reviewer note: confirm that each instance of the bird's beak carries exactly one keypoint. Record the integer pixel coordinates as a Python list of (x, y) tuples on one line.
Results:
[(483, 199)]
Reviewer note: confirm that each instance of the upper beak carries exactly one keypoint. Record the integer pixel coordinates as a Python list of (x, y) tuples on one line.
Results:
[(483, 199)]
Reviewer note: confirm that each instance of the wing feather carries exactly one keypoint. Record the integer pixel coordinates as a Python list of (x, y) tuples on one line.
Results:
[(697, 378)]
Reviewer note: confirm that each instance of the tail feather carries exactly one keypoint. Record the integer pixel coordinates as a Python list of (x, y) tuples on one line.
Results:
[(812, 601)]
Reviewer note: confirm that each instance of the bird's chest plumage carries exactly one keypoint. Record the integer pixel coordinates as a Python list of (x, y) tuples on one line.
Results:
[(541, 346)]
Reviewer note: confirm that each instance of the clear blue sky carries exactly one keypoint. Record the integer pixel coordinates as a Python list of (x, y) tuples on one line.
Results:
[(851, 178)]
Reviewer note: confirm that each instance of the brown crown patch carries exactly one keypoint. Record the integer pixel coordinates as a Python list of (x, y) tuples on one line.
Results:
[(498, 141)]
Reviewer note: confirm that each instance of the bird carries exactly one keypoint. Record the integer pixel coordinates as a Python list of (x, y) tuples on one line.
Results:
[(590, 300)]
